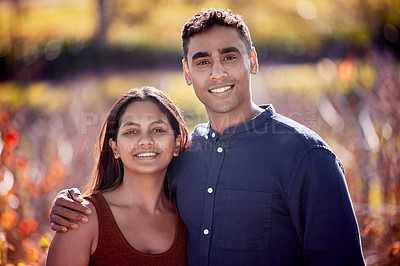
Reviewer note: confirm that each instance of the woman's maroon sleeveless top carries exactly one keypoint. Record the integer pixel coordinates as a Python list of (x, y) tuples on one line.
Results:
[(114, 249)]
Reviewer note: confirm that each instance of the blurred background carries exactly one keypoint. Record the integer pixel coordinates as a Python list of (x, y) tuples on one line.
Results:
[(331, 65)]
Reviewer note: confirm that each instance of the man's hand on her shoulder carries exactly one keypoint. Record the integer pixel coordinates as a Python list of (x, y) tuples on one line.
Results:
[(67, 211)]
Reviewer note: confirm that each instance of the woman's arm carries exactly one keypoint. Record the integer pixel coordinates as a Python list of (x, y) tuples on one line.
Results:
[(75, 247)]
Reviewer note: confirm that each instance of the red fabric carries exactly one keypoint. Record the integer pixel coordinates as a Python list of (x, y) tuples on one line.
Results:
[(113, 249)]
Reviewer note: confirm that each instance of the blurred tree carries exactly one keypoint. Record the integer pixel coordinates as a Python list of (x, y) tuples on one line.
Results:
[(44, 36), (101, 35)]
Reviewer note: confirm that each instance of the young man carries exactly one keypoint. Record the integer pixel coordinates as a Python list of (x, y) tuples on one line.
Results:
[(254, 188)]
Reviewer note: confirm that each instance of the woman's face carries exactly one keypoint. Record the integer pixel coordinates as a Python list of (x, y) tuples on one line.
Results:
[(145, 140)]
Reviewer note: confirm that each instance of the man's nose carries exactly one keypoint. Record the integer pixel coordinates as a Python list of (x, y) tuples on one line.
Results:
[(218, 72)]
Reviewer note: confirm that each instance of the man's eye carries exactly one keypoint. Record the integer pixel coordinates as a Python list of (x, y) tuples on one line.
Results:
[(201, 63), (229, 57)]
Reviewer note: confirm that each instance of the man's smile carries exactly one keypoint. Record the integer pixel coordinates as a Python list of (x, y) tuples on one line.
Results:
[(221, 89)]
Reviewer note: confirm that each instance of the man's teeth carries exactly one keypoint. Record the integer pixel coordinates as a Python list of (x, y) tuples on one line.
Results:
[(221, 89), (147, 154)]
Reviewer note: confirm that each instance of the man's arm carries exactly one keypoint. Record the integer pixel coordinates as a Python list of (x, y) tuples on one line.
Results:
[(74, 247), (67, 211), (322, 212)]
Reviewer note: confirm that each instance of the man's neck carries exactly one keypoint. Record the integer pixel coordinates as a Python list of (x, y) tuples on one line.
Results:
[(220, 122)]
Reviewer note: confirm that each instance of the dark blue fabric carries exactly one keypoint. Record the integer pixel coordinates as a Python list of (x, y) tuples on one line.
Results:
[(269, 192)]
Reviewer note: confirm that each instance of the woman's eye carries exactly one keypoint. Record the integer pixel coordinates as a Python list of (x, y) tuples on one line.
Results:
[(158, 130), (129, 132)]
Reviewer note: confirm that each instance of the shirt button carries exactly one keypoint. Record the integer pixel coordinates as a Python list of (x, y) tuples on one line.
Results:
[(219, 149), (210, 190), (213, 135), (206, 232)]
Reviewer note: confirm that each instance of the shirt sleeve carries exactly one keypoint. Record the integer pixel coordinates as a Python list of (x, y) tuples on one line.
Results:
[(322, 212)]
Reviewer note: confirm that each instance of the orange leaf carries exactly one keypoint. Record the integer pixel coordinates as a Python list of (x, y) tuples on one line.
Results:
[(31, 250), (9, 219), (11, 138), (4, 116), (27, 226), (394, 249), (346, 70)]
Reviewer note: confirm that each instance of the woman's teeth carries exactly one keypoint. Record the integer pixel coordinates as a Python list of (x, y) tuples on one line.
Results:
[(147, 154)]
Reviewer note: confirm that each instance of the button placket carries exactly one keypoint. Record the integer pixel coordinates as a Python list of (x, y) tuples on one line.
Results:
[(212, 179)]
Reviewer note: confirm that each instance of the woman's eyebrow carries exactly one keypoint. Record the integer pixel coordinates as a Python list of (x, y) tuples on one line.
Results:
[(158, 121), (129, 123)]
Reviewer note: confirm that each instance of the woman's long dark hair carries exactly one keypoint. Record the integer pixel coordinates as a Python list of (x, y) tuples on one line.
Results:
[(109, 172)]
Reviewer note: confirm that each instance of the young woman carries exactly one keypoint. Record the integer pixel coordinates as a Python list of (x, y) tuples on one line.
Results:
[(134, 221)]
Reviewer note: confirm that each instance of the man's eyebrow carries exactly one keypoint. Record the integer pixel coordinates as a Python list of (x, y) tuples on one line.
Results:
[(200, 55), (228, 50), (221, 51)]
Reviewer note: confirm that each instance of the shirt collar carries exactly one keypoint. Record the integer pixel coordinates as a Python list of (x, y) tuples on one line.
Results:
[(268, 112)]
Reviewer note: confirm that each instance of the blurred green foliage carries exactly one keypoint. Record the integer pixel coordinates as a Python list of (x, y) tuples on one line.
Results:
[(44, 39), (157, 23)]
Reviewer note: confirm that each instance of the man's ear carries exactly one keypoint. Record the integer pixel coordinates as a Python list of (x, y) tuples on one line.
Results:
[(114, 147), (185, 68), (253, 61)]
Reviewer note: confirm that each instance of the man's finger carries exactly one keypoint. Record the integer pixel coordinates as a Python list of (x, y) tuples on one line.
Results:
[(68, 214), (61, 224), (70, 204), (75, 194), (58, 228)]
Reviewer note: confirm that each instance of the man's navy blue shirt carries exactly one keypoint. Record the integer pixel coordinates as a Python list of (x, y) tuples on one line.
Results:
[(267, 192)]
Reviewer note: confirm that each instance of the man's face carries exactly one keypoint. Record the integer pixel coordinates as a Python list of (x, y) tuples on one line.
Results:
[(219, 68)]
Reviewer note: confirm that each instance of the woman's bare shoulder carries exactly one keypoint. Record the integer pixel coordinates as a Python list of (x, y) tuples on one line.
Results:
[(75, 246)]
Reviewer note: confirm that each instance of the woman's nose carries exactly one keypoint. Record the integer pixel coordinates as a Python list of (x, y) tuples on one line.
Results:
[(145, 139)]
